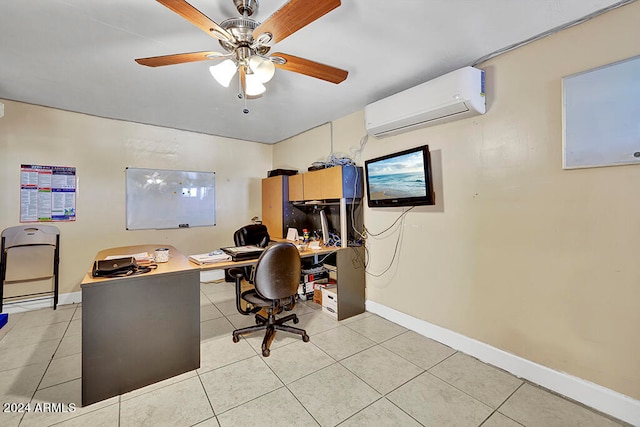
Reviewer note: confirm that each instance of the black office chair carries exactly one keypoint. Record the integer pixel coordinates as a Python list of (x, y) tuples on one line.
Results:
[(253, 234), (276, 277)]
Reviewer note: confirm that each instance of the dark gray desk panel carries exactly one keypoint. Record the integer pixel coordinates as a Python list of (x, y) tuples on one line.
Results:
[(351, 282), (137, 331)]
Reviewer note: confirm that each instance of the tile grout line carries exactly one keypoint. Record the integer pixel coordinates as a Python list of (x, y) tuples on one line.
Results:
[(48, 366), (394, 404), (503, 402), (384, 396), (284, 384), (215, 415)]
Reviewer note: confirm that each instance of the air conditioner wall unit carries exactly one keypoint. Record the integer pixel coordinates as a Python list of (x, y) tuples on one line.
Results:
[(453, 96)]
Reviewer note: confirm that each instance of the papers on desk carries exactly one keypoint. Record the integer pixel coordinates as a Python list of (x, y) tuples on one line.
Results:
[(314, 246), (209, 258), (141, 258)]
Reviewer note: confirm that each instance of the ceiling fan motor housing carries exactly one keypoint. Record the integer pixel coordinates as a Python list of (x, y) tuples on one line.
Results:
[(246, 6), (242, 30)]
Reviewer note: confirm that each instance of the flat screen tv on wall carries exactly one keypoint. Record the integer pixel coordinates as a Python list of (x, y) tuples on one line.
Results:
[(400, 179)]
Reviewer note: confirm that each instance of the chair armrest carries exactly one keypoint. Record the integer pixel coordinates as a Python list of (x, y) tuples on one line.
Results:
[(238, 274), (234, 272)]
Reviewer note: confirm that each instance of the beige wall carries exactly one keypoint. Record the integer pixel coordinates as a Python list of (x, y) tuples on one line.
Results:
[(517, 253), (100, 149)]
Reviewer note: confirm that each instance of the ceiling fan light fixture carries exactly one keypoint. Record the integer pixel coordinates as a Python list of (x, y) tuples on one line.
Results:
[(254, 86), (262, 68), (224, 72)]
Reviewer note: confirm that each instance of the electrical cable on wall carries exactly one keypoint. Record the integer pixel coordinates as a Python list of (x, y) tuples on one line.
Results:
[(391, 226), (355, 155), (335, 159), (401, 218)]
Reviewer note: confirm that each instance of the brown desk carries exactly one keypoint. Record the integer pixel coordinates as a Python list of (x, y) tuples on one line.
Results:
[(349, 271), (140, 329)]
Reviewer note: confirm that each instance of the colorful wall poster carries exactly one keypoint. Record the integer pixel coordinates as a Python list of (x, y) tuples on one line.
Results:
[(47, 193)]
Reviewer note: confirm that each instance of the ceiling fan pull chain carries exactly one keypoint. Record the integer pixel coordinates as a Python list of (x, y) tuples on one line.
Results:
[(241, 95)]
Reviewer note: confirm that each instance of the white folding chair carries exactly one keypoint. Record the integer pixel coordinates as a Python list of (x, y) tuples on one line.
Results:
[(30, 253)]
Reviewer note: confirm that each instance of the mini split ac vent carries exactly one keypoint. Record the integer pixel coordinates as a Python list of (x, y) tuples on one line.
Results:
[(453, 96)]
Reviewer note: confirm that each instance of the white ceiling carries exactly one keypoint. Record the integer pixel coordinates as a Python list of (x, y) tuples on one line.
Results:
[(78, 55)]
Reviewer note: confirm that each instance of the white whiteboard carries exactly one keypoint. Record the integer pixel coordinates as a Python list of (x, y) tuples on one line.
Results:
[(159, 199), (601, 116)]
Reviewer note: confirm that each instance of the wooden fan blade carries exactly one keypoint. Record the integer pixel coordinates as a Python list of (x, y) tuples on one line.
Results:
[(311, 68), (293, 16), (198, 19), (179, 58)]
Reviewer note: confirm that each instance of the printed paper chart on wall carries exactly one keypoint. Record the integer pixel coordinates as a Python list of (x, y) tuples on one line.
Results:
[(47, 193)]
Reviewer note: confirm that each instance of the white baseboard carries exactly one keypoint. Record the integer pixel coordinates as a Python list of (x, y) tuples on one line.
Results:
[(37, 303), (600, 398)]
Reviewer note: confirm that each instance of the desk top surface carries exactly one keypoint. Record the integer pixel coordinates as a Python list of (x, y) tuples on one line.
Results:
[(177, 261), (305, 253)]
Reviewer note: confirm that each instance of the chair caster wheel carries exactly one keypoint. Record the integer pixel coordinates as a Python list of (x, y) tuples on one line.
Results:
[(305, 338), (266, 352), (236, 338), (296, 320)]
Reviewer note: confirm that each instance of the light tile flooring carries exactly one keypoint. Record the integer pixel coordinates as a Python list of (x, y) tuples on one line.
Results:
[(364, 371)]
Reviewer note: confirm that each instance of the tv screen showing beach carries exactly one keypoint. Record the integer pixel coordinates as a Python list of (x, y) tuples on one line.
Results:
[(397, 177)]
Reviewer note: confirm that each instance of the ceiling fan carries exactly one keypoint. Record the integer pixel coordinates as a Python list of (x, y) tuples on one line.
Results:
[(246, 44)]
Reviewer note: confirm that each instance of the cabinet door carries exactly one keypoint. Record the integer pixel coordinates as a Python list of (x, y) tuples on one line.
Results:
[(312, 185), (332, 185), (296, 188), (274, 196), (323, 184)]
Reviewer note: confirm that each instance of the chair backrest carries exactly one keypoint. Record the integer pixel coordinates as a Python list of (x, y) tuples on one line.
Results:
[(253, 234), (29, 252), (22, 235), (277, 273)]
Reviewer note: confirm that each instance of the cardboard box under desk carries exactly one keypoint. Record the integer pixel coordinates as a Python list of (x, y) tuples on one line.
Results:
[(318, 290), (317, 296)]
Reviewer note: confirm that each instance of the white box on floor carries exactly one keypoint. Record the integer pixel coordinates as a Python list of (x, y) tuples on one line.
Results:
[(331, 312), (330, 300)]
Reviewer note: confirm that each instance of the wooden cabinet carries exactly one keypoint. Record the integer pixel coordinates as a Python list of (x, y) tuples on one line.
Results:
[(284, 197), (333, 183), (296, 188), (275, 193), (322, 184), (278, 214)]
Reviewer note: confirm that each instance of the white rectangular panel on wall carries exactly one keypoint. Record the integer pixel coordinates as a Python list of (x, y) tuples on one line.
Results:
[(601, 116), (160, 199)]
